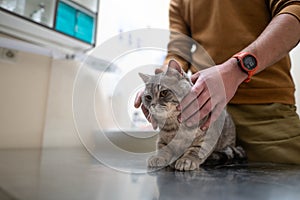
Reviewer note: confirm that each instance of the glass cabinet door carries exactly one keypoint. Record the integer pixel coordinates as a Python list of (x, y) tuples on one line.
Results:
[(40, 11)]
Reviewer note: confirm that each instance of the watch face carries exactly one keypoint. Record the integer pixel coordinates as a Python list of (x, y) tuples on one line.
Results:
[(249, 62)]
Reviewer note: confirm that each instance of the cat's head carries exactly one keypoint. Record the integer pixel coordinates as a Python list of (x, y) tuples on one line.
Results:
[(164, 90)]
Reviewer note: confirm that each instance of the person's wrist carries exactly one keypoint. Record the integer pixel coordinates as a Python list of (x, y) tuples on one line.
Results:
[(231, 68), (232, 76)]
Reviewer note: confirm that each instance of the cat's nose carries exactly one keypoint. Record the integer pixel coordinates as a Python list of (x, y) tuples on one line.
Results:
[(152, 106), (152, 109)]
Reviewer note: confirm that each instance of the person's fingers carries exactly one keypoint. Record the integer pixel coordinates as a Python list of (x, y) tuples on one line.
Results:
[(196, 118), (206, 109), (149, 117), (195, 77), (146, 113), (213, 116), (206, 124), (138, 99), (196, 106), (189, 110), (196, 90), (189, 99)]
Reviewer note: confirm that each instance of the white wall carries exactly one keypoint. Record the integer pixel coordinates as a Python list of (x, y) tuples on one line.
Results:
[(24, 92), (120, 16), (59, 130), (295, 55)]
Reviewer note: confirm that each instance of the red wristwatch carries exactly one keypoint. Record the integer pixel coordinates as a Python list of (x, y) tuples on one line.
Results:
[(247, 62)]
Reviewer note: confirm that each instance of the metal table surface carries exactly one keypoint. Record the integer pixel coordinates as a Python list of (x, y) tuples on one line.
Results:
[(72, 173)]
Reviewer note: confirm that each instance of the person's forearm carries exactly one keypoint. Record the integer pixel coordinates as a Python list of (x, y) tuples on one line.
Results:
[(279, 37)]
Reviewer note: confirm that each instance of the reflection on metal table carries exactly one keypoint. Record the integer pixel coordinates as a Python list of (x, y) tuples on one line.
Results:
[(74, 174)]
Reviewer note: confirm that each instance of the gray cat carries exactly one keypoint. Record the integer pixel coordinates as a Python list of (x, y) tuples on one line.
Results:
[(182, 147)]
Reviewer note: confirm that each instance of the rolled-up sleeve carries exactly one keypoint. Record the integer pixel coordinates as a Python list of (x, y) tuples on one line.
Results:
[(291, 7), (179, 45)]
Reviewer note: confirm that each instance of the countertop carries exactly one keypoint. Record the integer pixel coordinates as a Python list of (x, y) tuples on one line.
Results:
[(72, 173)]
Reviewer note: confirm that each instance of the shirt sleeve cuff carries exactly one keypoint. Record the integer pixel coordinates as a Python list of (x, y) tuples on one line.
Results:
[(293, 9)]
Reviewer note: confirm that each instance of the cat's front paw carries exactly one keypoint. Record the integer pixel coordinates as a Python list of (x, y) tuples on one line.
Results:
[(187, 164), (157, 161)]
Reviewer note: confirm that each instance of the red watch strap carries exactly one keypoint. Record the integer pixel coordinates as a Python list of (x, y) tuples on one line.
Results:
[(239, 56), (248, 79)]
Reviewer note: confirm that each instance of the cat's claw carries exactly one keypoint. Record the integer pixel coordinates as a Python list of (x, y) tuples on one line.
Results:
[(157, 161), (185, 164)]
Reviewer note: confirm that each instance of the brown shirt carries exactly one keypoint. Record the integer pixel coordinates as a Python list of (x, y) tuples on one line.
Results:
[(225, 27)]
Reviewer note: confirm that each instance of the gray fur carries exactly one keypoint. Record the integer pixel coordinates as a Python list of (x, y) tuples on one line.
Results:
[(182, 147)]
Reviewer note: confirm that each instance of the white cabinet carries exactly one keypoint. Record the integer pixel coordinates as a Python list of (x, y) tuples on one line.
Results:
[(69, 25), (89, 4)]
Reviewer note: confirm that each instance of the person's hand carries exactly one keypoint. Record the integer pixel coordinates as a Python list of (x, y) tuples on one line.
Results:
[(138, 103), (212, 90)]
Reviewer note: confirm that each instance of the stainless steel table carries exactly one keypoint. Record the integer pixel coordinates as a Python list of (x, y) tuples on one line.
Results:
[(72, 173)]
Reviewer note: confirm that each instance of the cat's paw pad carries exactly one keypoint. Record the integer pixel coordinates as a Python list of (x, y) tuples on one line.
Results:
[(157, 161), (186, 164)]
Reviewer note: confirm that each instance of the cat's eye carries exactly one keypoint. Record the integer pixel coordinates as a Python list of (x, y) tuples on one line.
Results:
[(163, 93), (148, 98)]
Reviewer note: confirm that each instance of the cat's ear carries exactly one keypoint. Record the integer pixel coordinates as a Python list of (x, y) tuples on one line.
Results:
[(173, 64), (145, 77)]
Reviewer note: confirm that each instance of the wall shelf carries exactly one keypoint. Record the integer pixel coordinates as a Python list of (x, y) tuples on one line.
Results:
[(48, 22)]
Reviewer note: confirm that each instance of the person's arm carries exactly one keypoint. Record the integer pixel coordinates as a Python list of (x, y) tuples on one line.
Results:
[(180, 44), (279, 37)]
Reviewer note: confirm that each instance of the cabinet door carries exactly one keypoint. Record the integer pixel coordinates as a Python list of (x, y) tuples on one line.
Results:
[(73, 21), (84, 27), (65, 19)]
